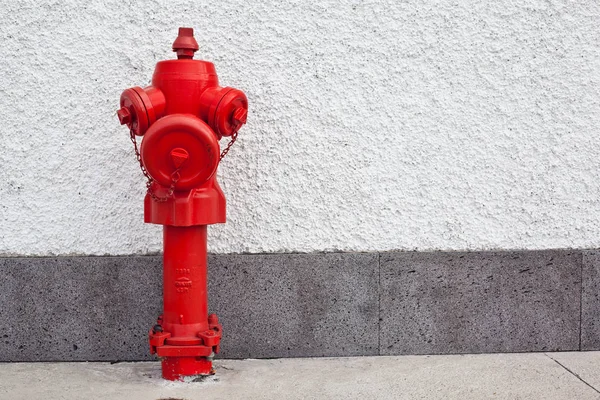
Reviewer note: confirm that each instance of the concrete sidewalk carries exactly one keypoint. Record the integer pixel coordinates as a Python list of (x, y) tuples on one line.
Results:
[(490, 376)]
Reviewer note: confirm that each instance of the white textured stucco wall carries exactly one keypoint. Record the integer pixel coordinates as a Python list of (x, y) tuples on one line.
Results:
[(373, 125)]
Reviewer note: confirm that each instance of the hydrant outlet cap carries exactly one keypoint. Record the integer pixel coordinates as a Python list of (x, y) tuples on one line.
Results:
[(182, 143), (185, 45)]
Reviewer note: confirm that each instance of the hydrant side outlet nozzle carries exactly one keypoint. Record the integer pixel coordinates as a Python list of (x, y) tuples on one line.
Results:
[(181, 117)]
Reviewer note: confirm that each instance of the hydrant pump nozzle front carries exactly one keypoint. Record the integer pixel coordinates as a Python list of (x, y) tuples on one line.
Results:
[(181, 117)]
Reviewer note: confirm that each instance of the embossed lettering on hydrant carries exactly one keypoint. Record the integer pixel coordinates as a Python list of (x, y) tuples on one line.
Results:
[(183, 284)]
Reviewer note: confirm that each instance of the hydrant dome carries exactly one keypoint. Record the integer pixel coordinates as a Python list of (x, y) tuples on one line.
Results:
[(181, 146)]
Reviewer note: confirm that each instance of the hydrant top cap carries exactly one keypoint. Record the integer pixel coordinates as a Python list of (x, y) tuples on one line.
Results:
[(185, 45)]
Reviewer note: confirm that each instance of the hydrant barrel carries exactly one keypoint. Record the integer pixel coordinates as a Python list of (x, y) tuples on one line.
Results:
[(185, 298)]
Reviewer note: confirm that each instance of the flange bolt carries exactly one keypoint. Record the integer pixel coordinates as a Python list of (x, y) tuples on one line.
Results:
[(213, 319)]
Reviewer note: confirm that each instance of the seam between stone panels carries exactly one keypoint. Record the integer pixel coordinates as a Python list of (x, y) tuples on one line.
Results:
[(580, 295), (379, 304)]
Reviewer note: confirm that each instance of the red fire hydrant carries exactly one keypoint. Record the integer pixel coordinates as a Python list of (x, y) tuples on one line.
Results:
[(182, 116)]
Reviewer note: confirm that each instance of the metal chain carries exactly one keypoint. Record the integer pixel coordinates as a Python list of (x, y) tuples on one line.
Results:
[(174, 176), (228, 147)]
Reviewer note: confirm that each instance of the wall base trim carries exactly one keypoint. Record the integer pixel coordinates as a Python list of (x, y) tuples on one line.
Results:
[(310, 305)]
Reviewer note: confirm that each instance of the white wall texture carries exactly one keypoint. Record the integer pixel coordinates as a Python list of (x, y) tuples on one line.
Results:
[(373, 125)]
